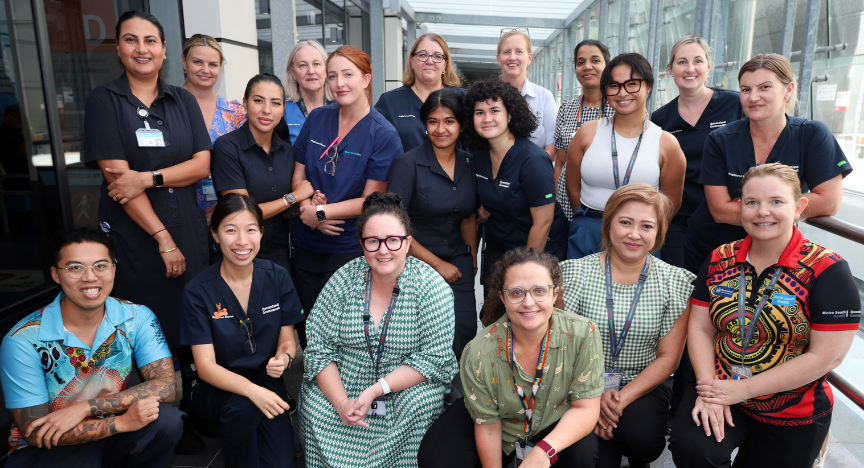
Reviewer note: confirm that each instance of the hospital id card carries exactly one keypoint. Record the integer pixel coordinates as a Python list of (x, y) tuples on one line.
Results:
[(150, 138), (613, 379), (377, 408)]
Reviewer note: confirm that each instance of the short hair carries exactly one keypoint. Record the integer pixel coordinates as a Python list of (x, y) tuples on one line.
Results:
[(449, 78), (493, 307), (203, 40), (131, 14), (359, 59), (684, 41), (642, 193), (591, 42), (778, 170), (445, 97), (80, 235), (522, 120), (638, 66), (235, 203), (380, 203), (291, 86), (514, 32), (780, 66)]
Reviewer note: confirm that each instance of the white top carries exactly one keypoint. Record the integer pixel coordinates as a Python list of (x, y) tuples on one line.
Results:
[(542, 103), (598, 181)]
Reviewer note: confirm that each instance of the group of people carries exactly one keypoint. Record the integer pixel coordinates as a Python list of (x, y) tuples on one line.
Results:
[(354, 232)]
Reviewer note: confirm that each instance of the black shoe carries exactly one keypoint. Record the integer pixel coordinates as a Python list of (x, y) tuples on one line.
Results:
[(190, 443), (203, 427)]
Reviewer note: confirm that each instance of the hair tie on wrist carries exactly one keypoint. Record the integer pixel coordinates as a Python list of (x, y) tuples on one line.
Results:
[(157, 232)]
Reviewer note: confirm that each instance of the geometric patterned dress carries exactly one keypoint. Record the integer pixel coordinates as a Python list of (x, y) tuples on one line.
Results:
[(420, 335)]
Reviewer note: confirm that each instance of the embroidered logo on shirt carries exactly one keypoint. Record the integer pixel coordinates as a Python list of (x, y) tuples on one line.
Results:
[(717, 124), (842, 163), (317, 143), (351, 152), (221, 312), (409, 115), (504, 184), (548, 195), (482, 177), (270, 308), (675, 131)]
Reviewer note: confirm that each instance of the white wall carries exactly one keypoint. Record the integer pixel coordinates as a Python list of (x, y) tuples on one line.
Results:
[(393, 65)]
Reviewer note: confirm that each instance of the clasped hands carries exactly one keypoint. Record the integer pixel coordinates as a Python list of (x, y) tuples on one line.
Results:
[(310, 218), (353, 412), (611, 409)]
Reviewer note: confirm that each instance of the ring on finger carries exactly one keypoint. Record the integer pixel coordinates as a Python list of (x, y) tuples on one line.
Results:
[(710, 394)]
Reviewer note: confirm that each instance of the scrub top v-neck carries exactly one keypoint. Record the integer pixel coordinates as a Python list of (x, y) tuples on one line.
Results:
[(401, 107), (366, 152), (211, 314)]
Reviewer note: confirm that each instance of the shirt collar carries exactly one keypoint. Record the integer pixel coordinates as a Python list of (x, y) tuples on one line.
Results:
[(248, 141), (51, 328), (790, 256), (121, 87), (528, 89), (222, 103)]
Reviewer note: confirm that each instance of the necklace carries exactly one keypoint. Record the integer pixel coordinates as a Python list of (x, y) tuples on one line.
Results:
[(642, 130)]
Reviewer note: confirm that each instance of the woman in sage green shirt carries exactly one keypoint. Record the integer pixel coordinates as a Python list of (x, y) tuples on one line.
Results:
[(555, 355)]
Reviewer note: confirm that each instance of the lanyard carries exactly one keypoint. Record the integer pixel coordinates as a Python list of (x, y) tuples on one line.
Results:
[(579, 114), (538, 375), (747, 332), (143, 113), (385, 323), (618, 345), (632, 158)]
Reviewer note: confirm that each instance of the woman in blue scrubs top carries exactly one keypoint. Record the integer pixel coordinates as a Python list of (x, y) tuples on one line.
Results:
[(766, 134), (238, 316), (514, 176), (306, 89), (437, 184), (345, 151), (253, 160), (430, 68)]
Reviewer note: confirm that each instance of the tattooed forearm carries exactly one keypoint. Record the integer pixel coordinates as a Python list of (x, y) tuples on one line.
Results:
[(86, 431), (24, 417), (159, 381)]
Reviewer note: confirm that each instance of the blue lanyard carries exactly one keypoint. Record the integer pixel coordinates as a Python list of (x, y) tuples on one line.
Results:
[(747, 332), (385, 323), (632, 158), (618, 345)]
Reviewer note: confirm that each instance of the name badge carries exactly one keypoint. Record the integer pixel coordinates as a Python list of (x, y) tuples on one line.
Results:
[(741, 372), (724, 291), (377, 408), (783, 299), (208, 190), (613, 379), (522, 450), (150, 138)]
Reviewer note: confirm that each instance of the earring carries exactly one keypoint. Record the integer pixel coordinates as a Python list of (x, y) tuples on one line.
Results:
[(786, 99)]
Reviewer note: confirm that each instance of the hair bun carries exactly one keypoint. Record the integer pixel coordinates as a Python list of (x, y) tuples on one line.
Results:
[(383, 199)]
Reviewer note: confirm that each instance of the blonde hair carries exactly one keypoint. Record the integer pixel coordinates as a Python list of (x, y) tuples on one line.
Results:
[(202, 40), (514, 32), (642, 193), (688, 40), (778, 170), (780, 66), (292, 88), (449, 78)]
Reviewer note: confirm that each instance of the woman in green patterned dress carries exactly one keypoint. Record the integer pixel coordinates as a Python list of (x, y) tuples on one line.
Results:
[(380, 350)]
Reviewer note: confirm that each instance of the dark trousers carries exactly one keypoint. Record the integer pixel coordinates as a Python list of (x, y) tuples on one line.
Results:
[(683, 377), (310, 273), (249, 439), (759, 444), (673, 245), (464, 302), (151, 446), (641, 432), (450, 443)]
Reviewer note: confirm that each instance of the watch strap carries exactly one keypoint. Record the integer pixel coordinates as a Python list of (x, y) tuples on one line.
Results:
[(158, 181), (319, 212), (385, 386), (548, 450)]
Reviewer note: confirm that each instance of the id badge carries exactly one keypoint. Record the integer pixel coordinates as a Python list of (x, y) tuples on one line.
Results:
[(613, 379), (741, 372), (522, 450), (377, 408), (150, 138), (208, 190)]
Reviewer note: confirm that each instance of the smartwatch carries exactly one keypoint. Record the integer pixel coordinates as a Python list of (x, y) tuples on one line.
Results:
[(290, 198), (548, 450), (320, 213), (157, 179), (384, 386)]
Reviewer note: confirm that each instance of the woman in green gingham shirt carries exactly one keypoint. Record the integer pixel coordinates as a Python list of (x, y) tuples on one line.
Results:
[(634, 407)]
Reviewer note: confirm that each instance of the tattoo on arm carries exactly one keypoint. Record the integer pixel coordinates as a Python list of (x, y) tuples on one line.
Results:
[(159, 381), (89, 430)]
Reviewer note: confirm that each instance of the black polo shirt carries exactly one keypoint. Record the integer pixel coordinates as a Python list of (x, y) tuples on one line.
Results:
[(723, 108), (239, 163), (401, 107), (525, 180), (435, 203), (211, 314)]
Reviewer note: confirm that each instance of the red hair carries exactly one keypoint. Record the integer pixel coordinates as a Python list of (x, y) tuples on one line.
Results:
[(359, 59)]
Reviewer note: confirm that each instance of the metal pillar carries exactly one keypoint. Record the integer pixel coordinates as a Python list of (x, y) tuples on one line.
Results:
[(714, 33), (656, 40), (805, 73), (376, 47), (603, 33), (586, 26), (652, 30), (565, 63), (624, 27), (698, 18), (720, 50), (788, 28), (410, 38), (283, 26)]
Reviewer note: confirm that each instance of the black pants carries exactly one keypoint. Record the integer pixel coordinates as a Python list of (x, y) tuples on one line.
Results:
[(151, 446), (759, 444), (673, 245), (310, 272), (641, 432), (464, 302), (450, 443), (249, 439), (684, 377)]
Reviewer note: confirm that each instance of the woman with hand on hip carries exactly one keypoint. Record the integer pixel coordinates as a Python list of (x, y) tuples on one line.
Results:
[(764, 333), (305, 84)]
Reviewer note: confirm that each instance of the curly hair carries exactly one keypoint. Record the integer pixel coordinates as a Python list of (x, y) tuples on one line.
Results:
[(522, 120), (493, 307)]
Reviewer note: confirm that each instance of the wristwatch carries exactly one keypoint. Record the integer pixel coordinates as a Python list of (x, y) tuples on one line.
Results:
[(384, 386), (290, 198), (549, 450), (320, 213), (157, 179)]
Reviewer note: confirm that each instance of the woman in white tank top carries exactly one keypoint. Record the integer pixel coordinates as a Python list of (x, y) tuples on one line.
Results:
[(645, 153)]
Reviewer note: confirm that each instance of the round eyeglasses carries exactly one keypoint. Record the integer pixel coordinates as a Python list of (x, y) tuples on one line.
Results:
[(424, 56), (372, 244), (77, 270), (517, 294), (631, 86)]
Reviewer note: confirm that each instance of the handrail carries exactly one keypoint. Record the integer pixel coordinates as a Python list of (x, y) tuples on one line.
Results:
[(847, 387), (841, 228)]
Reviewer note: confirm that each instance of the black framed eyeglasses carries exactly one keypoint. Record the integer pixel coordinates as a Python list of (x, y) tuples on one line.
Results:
[(517, 294), (77, 270), (631, 86), (424, 56), (246, 329), (372, 244)]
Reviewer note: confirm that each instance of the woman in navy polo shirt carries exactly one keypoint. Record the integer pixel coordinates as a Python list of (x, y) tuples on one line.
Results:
[(345, 152), (306, 86), (515, 182), (238, 316), (253, 160), (690, 117), (766, 134)]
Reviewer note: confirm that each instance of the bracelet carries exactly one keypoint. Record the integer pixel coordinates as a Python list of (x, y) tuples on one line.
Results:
[(157, 232), (285, 200), (290, 360), (384, 386), (550, 451), (166, 251)]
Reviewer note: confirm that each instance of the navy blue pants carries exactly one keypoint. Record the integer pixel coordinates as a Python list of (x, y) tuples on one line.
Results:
[(151, 446)]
